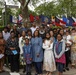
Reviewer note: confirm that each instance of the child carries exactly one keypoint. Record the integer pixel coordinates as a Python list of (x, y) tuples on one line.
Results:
[(27, 54)]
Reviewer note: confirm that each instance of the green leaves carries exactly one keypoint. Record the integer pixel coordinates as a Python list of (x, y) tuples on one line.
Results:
[(60, 7), (45, 8)]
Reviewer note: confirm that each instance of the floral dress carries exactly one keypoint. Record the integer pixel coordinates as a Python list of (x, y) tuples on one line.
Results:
[(21, 44)]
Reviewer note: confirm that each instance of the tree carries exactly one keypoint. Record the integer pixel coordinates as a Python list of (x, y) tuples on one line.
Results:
[(24, 8), (59, 7), (29, 12), (67, 7), (2, 16), (52, 8), (46, 9), (9, 12)]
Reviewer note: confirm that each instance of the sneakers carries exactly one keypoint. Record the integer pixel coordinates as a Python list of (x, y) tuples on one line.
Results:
[(67, 69), (64, 70)]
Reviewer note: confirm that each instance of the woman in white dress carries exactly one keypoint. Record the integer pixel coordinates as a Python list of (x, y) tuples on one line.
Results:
[(49, 61)]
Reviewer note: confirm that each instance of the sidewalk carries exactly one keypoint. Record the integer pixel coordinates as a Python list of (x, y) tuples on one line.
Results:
[(70, 72)]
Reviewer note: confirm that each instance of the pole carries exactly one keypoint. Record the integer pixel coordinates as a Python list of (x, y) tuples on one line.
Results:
[(3, 18), (5, 14), (71, 8)]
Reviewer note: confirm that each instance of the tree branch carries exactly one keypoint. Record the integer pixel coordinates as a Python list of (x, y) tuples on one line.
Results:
[(26, 3)]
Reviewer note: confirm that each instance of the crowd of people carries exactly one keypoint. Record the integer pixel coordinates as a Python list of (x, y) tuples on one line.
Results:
[(42, 47)]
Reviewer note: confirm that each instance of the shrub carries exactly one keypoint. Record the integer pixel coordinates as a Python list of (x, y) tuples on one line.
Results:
[(1, 28)]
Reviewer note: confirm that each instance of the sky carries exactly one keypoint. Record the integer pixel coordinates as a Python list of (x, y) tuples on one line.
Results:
[(10, 2), (32, 8)]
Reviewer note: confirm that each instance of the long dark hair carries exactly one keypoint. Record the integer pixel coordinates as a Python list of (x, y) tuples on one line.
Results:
[(60, 35), (34, 33), (29, 30), (46, 34)]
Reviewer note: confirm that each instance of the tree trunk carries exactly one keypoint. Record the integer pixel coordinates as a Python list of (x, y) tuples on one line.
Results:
[(24, 9), (25, 14)]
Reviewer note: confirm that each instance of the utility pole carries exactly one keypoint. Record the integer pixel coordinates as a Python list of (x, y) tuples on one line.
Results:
[(71, 7), (5, 14), (3, 18)]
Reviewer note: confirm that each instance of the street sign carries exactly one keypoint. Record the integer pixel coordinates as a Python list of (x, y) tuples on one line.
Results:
[(12, 6)]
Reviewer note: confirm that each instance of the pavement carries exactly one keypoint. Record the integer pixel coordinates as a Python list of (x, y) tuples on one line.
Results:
[(72, 71)]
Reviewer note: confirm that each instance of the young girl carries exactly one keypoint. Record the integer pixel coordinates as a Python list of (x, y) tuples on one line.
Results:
[(27, 53), (59, 51), (49, 61)]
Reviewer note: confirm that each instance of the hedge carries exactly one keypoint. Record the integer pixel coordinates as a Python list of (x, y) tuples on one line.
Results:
[(1, 28)]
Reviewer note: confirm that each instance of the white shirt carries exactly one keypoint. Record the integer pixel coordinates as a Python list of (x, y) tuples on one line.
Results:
[(68, 38), (6, 35), (21, 43), (48, 45), (33, 29)]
